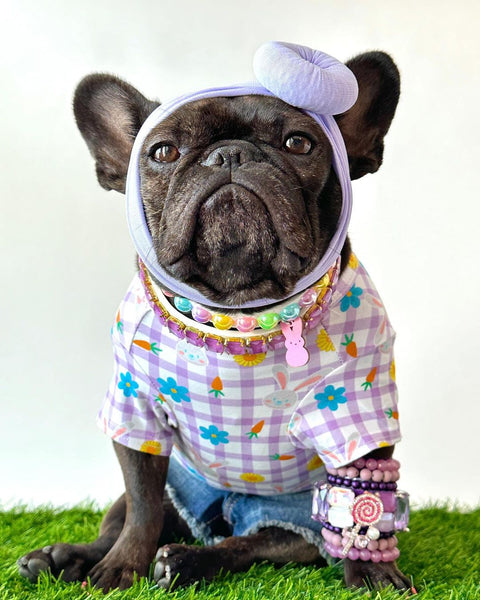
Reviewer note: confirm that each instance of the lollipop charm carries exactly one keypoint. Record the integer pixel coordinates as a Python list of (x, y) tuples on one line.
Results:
[(367, 510)]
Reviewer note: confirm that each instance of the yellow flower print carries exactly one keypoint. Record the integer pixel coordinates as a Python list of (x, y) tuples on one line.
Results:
[(252, 477), (392, 371), (151, 447), (314, 463), (383, 445), (353, 261), (324, 342), (249, 360)]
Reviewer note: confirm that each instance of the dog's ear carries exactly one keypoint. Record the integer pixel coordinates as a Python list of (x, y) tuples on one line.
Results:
[(109, 113), (365, 125)]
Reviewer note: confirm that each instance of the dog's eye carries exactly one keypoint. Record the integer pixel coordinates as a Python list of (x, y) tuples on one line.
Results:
[(165, 153), (298, 144)]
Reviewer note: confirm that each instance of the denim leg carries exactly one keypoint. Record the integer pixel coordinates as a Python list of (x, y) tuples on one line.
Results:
[(248, 514), (199, 504)]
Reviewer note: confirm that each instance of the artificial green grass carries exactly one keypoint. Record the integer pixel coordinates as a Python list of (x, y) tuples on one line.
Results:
[(441, 553)]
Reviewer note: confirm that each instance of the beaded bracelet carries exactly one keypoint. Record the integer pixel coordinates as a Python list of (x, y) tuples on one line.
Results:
[(370, 470), (361, 541), (360, 486), (364, 554), (359, 514)]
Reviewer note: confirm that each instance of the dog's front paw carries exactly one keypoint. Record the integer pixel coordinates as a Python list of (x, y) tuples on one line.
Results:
[(374, 575), (180, 565), (117, 571), (68, 561)]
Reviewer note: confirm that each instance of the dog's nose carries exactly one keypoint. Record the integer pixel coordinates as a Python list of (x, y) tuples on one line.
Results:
[(232, 156)]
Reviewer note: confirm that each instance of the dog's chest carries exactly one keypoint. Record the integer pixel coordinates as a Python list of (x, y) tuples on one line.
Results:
[(248, 422)]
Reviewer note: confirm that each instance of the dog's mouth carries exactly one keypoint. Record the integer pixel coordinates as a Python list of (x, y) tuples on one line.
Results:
[(241, 246)]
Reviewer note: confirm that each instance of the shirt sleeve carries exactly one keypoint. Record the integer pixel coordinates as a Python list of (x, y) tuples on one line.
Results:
[(132, 412), (351, 411)]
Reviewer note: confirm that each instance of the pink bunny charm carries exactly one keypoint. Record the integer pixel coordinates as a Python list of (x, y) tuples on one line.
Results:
[(297, 354)]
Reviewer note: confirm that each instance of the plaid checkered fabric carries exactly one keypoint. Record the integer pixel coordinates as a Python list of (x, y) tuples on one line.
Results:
[(248, 423)]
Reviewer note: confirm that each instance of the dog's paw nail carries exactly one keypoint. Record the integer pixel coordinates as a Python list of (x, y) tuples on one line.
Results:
[(84, 585), (158, 571), (165, 554), (23, 561), (47, 549)]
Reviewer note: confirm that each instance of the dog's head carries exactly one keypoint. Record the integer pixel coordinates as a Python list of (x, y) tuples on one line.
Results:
[(239, 193)]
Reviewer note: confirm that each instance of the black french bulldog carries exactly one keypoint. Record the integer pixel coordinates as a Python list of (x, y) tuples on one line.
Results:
[(186, 164)]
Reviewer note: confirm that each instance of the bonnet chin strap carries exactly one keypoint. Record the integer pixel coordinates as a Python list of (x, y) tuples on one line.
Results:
[(305, 78)]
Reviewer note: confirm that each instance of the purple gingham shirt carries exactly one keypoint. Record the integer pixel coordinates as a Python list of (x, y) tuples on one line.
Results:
[(247, 423)]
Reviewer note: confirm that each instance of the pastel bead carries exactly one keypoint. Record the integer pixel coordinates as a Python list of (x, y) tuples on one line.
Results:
[(395, 553), (246, 323), (371, 464), (353, 554), (200, 314), (387, 556), (375, 556), (268, 320), (359, 463), (342, 471), (387, 476), (395, 475), (372, 545), (392, 542), (366, 474), (352, 472), (364, 555), (382, 544), (182, 304), (377, 475), (382, 464), (308, 298), (290, 312), (222, 321)]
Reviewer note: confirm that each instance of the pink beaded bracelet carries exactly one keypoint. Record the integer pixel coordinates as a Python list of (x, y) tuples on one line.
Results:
[(364, 554), (340, 541), (384, 471)]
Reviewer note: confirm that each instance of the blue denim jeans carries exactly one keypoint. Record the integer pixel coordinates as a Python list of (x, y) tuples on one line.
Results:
[(209, 511)]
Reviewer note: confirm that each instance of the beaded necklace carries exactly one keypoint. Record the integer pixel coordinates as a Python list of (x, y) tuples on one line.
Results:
[(239, 333)]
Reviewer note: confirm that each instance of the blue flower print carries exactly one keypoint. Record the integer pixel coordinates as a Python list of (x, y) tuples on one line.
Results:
[(170, 388), (351, 299), (214, 435), (331, 397), (127, 384)]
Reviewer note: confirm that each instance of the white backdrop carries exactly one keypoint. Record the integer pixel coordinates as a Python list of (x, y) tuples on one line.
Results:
[(415, 223)]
